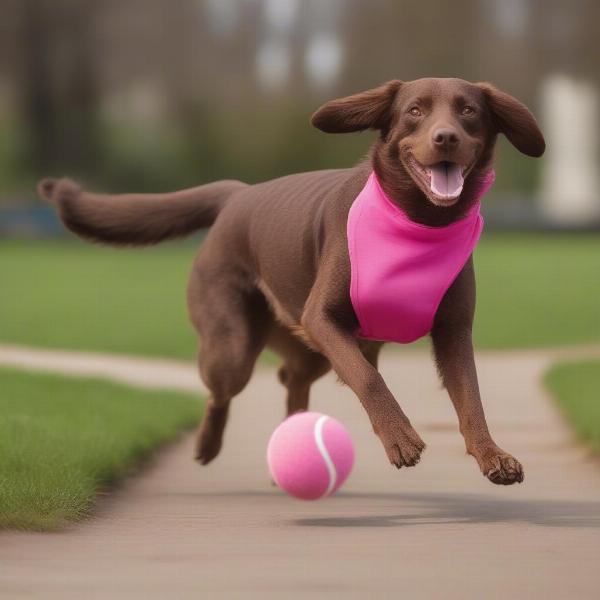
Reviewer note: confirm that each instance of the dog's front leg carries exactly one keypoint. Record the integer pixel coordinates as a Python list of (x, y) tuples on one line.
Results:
[(452, 342), (401, 442)]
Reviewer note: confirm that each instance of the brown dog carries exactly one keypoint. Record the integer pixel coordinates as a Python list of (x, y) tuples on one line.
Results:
[(274, 269)]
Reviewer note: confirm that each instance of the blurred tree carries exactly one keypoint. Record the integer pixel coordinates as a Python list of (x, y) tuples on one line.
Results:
[(38, 101), (60, 96), (153, 93)]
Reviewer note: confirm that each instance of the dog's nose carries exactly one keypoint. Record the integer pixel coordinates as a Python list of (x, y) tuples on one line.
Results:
[(445, 137)]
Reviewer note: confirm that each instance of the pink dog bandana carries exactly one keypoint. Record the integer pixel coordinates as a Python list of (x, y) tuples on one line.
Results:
[(400, 270)]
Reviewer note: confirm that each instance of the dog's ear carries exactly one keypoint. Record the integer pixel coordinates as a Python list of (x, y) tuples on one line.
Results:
[(514, 120), (366, 110)]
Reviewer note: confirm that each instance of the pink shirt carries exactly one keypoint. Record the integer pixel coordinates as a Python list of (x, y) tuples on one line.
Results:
[(400, 270)]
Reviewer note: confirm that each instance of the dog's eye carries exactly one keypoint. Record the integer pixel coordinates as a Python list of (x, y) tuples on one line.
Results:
[(467, 111), (415, 111)]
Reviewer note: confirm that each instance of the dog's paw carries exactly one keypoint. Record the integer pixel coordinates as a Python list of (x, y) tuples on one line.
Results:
[(207, 452), (501, 468), (210, 437), (402, 444), (209, 443)]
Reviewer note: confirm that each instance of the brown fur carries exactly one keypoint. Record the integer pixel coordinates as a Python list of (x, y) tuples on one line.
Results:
[(274, 269)]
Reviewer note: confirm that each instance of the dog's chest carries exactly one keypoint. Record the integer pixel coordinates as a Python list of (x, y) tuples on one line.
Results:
[(400, 270)]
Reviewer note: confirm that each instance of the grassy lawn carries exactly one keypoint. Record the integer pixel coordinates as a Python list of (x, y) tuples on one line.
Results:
[(537, 290), (576, 388), (78, 296), (533, 290), (63, 439)]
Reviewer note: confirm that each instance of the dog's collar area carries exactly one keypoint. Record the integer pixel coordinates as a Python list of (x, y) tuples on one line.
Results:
[(395, 211), (400, 269)]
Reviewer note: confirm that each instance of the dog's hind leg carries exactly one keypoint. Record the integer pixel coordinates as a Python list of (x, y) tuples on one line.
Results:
[(371, 350), (301, 367), (232, 323)]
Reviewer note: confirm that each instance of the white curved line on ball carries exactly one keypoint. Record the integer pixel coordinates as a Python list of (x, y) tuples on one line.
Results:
[(323, 451)]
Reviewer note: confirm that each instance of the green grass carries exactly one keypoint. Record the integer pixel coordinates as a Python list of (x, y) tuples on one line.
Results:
[(532, 290), (537, 290), (64, 439), (576, 388), (78, 296)]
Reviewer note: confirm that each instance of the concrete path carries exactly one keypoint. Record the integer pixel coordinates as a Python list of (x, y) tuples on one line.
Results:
[(439, 530)]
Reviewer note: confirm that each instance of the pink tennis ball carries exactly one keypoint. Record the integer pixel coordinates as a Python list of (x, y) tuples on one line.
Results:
[(310, 455)]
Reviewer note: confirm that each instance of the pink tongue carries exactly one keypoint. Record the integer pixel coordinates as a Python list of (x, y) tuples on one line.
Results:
[(446, 179)]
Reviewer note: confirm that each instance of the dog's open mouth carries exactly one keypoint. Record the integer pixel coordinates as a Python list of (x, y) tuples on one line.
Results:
[(442, 182)]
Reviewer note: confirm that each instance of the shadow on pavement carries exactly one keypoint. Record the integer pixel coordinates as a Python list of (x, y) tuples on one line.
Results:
[(433, 509), (467, 509)]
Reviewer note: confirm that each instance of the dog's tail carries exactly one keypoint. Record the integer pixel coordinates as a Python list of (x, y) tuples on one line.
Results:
[(136, 219)]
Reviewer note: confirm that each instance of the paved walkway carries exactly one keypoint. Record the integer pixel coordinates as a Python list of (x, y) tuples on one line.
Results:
[(439, 530)]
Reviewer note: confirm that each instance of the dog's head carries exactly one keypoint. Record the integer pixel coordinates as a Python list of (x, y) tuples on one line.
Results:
[(438, 131)]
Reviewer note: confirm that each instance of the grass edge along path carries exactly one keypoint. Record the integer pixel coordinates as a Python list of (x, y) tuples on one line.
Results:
[(575, 386), (63, 439)]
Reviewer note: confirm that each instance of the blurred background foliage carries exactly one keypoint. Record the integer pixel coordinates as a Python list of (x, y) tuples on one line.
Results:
[(155, 95)]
